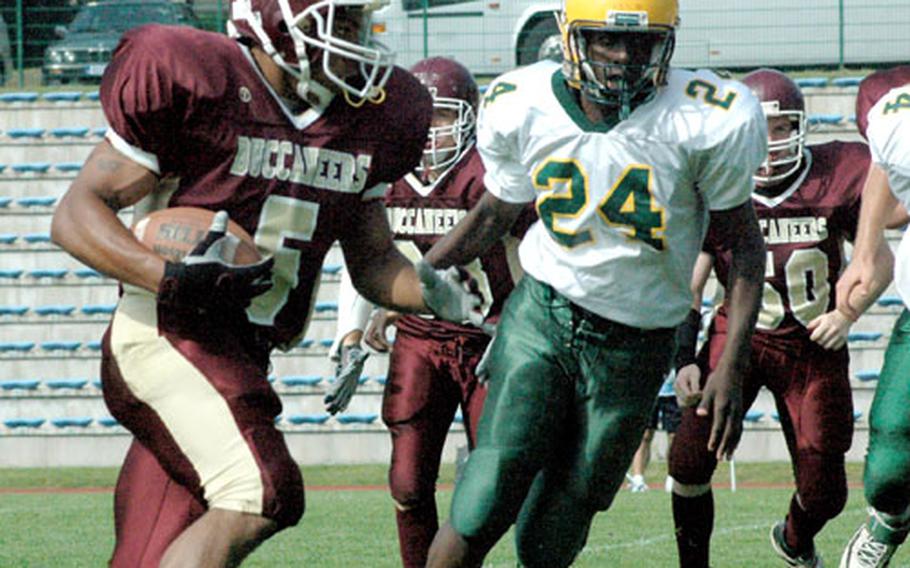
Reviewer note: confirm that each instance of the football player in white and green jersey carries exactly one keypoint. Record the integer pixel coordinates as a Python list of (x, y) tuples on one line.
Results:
[(883, 118), (626, 161)]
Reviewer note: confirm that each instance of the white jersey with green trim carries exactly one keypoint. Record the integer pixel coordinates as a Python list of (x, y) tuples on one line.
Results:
[(889, 143), (623, 210)]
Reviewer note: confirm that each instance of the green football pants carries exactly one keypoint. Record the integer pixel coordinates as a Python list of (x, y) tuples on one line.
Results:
[(570, 396), (887, 473)]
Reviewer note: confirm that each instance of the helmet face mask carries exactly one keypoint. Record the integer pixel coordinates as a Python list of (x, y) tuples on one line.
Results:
[(324, 44), (784, 107), (785, 150), (618, 60), (455, 97)]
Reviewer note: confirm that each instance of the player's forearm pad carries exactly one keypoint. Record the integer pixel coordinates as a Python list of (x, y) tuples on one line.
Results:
[(686, 339)]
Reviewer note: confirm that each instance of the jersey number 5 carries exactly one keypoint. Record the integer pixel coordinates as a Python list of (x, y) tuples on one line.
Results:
[(629, 206)]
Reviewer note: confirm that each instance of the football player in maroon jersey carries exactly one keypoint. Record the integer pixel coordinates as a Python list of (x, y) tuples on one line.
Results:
[(807, 200), (432, 366), (294, 127)]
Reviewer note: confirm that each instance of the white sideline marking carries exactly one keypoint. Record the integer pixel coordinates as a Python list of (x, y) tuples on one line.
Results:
[(640, 542)]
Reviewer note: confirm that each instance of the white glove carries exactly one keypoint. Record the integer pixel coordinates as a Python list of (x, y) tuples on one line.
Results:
[(347, 377), (445, 294)]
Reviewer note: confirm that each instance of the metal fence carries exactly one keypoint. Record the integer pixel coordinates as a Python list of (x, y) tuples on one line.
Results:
[(492, 36), (30, 29)]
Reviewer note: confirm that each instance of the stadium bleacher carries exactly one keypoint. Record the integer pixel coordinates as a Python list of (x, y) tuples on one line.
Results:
[(54, 310)]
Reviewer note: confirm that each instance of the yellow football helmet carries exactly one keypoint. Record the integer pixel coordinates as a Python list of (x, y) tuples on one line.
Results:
[(642, 30)]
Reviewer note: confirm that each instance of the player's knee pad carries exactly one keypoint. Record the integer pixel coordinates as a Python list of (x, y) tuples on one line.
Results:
[(822, 483), (543, 546), (283, 498), (887, 474), (690, 463), (490, 494), (407, 491)]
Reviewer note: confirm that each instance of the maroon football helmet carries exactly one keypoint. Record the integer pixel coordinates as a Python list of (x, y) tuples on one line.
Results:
[(298, 34), (780, 96), (453, 89), (873, 88)]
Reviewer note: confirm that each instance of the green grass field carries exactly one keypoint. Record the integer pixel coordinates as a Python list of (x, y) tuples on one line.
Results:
[(353, 528)]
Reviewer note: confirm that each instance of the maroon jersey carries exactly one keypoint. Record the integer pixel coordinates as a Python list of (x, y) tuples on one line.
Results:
[(420, 215), (194, 105), (804, 229), (873, 88)]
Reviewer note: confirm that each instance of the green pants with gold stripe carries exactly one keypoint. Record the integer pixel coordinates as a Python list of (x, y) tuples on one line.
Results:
[(887, 474), (570, 396)]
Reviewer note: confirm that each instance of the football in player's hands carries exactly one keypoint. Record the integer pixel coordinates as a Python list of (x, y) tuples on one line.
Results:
[(172, 233), (209, 278)]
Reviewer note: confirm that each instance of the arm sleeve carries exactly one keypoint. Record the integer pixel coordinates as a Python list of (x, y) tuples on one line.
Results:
[(498, 143), (727, 165), (353, 312)]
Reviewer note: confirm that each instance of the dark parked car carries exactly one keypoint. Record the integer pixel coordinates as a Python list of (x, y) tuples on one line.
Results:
[(87, 43)]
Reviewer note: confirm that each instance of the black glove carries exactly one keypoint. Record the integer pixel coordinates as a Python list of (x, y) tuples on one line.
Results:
[(203, 281), (687, 339)]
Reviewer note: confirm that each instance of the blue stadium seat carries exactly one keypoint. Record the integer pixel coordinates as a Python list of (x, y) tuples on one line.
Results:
[(94, 345), (812, 81), (60, 345), (93, 309), (5, 201), (887, 301), (363, 379), (55, 310), (71, 421), (44, 201), (70, 132), (331, 268), (753, 416), (863, 336), (867, 376), (19, 346), (24, 422), (21, 384), (25, 132), (857, 414), (307, 418), (775, 416), (22, 97), (99, 131), (357, 418), (459, 418), (326, 307), (62, 96), (48, 272), (107, 421), (87, 273), (31, 167), (326, 342), (381, 379), (37, 237), (846, 81), (305, 343), (2, 168), (707, 303), (93, 96), (56, 384), (11, 273), (13, 310), (8, 238), (68, 166), (301, 380), (97, 384), (826, 118)]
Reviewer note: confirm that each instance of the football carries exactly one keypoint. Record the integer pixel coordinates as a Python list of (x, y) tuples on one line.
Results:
[(172, 233)]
